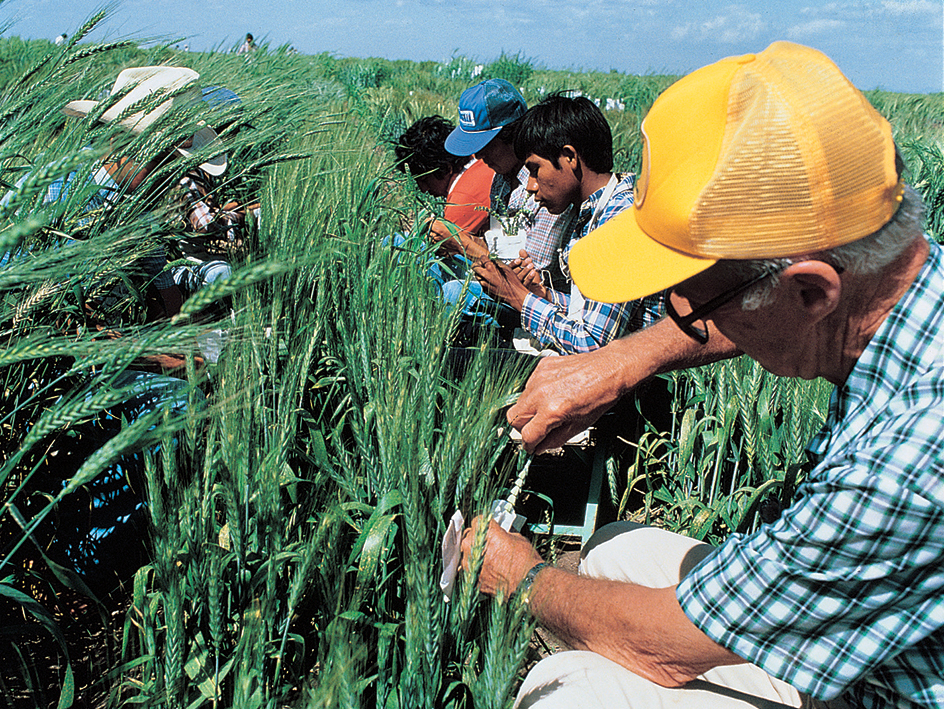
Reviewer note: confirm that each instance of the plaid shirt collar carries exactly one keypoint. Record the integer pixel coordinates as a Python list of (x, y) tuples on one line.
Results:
[(523, 176), (502, 189), (894, 354), (621, 198)]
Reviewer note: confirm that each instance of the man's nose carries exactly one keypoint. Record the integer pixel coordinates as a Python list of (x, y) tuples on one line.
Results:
[(532, 186)]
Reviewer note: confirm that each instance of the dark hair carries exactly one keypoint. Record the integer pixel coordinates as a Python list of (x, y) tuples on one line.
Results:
[(422, 148), (561, 120)]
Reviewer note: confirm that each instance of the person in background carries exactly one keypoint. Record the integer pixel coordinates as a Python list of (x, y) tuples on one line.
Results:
[(121, 175), (567, 147), (214, 229), (462, 183), (489, 116), (795, 241), (104, 542), (248, 45)]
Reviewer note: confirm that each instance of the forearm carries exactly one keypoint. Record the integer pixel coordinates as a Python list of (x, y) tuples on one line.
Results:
[(643, 629), (566, 394), (662, 348), (165, 363)]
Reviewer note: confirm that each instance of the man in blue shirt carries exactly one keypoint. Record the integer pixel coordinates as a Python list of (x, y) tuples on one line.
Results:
[(770, 203), (489, 115)]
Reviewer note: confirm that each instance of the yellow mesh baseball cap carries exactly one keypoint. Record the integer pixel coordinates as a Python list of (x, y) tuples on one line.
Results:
[(765, 155)]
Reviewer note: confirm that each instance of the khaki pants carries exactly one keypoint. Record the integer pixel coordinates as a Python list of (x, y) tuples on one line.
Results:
[(584, 680)]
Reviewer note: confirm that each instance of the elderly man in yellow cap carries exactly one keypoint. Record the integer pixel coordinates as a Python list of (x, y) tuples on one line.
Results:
[(770, 203)]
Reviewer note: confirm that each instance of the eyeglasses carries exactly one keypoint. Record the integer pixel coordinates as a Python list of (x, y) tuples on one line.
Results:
[(686, 323)]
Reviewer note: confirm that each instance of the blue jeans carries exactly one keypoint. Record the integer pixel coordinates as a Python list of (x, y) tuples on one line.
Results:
[(478, 304), (104, 523)]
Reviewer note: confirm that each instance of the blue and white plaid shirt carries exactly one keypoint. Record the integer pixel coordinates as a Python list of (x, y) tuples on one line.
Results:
[(598, 323), (154, 263), (844, 594)]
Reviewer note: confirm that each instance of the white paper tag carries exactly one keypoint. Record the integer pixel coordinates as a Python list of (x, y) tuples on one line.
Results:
[(451, 553), (506, 246)]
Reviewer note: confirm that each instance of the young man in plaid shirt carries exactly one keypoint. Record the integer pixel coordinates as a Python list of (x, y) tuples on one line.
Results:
[(567, 148), (770, 203)]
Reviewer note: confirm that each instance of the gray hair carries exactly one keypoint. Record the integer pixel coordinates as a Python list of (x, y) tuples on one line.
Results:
[(867, 255)]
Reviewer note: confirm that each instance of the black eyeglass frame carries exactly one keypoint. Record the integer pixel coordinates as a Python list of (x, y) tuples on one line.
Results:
[(687, 323)]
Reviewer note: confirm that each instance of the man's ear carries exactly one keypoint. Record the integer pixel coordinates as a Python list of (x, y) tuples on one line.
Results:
[(569, 156), (815, 285)]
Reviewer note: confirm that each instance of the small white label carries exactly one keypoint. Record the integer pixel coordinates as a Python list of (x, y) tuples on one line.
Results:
[(506, 246)]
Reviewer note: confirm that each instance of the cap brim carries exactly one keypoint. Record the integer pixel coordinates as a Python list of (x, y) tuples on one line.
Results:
[(205, 136), (79, 109), (619, 262), (460, 142), (216, 166)]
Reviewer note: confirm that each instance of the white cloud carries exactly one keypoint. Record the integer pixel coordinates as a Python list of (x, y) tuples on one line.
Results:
[(861, 16), (681, 32), (735, 25), (814, 27), (819, 9), (910, 7), (854, 10)]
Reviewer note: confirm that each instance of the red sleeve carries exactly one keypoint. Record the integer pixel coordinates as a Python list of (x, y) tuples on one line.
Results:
[(468, 201)]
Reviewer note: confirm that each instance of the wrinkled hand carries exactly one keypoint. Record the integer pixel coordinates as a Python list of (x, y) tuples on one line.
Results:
[(508, 558), (564, 396)]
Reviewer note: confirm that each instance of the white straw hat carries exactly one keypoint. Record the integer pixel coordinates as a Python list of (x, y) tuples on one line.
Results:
[(135, 85)]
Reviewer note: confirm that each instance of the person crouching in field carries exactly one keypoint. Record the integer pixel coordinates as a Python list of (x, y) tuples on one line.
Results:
[(215, 230), (122, 176), (567, 147), (771, 205), (102, 538), (462, 182)]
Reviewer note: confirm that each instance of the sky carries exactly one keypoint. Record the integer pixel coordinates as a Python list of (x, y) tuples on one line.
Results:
[(897, 45)]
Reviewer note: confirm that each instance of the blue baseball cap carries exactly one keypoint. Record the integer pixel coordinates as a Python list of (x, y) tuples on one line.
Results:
[(220, 97), (484, 110)]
